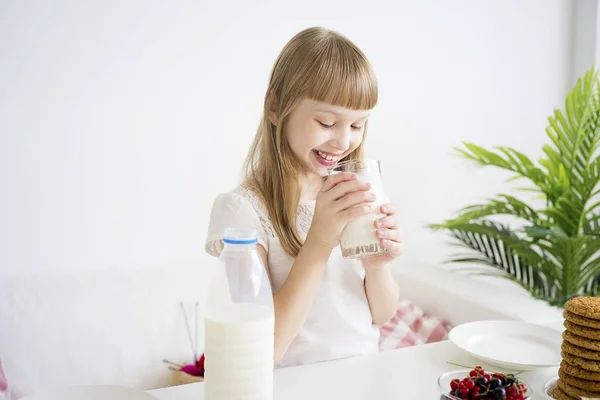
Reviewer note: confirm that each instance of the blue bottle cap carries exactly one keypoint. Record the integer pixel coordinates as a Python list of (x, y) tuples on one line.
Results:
[(240, 236)]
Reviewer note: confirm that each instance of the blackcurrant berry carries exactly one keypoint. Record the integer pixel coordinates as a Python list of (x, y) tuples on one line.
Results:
[(481, 381), (495, 382), (499, 393), (510, 378)]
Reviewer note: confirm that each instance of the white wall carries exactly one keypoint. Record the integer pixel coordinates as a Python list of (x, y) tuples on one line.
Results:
[(120, 121), (597, 36), (584, 37)]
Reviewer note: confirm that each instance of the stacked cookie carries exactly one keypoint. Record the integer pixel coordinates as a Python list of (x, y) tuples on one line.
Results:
[(579, 372)]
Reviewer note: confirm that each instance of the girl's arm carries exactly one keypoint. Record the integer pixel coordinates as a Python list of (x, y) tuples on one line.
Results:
[(382, 292), (295, 297), (381, 288), (342, 199)]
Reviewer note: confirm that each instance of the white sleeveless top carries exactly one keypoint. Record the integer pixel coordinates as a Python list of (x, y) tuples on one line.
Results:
[(339, 323)]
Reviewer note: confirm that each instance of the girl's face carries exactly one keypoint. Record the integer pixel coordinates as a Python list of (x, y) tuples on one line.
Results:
[(321, 134)]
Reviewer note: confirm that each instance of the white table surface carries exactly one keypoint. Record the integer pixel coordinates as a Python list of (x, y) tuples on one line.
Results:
[(408, 373)]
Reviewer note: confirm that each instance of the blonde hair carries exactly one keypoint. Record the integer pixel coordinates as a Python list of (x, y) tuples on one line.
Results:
[(321, 65)]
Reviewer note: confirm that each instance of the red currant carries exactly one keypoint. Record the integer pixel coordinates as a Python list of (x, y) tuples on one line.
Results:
[(464, 392), (511, 391), (473, 373), (454, 384), (470, 385), (488, 377)]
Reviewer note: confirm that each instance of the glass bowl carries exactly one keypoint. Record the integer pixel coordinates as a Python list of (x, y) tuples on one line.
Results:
[(549, 387), (447, 377)]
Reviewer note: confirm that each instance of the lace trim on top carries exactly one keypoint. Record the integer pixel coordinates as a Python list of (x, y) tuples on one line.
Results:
[(304, 214)]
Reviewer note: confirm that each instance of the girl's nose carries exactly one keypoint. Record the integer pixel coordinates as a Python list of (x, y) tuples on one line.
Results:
[(342, 138)]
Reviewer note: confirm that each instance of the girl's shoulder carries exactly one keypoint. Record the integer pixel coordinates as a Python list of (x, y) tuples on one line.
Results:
[(241, 198), (247, 194), (240, 207), (304, 212)]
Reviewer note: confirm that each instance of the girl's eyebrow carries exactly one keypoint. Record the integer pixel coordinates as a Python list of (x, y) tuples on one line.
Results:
[(337, 115)]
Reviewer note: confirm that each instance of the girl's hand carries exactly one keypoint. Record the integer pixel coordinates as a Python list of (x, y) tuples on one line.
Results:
[(389, 237), (342, 199)]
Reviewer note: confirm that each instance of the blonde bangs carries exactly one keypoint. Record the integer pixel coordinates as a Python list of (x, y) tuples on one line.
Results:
[(341, 75)]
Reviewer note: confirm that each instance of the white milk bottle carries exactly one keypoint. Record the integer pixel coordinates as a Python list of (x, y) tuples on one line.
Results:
[(239, 324)]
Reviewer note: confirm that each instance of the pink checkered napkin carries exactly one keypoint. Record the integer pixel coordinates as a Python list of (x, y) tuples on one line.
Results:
[(411, 326), (4, 392)]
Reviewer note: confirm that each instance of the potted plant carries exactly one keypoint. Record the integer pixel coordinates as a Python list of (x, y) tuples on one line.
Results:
[(551, 250)]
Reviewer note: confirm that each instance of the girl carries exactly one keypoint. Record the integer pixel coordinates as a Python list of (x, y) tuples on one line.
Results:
[(315, 114)]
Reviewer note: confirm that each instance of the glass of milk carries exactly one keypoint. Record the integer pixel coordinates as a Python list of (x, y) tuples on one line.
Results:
[(359, 238)]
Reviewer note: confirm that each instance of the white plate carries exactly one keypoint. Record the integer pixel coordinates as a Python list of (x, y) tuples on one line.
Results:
[(509, 344), (92, 392)]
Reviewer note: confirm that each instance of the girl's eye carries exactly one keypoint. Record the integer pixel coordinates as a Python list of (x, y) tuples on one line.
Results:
[(326, 126)]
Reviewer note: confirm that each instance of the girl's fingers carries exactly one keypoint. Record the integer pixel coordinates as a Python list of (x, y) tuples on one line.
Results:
[(389, 234), (388, 208), (385, 222), (333, 180), (355, 198), (355, 212), (395, 248), (344, 188)]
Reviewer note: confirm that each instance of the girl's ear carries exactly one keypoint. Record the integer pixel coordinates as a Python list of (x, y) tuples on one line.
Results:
[(272, 107)]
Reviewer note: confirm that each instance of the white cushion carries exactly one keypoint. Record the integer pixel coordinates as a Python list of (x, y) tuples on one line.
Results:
[(96, 327)]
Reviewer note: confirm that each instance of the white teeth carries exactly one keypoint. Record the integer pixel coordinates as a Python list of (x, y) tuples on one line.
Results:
[(327, 157)]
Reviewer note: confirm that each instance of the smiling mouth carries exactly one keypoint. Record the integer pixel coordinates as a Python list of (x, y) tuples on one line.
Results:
[(326, 159)]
